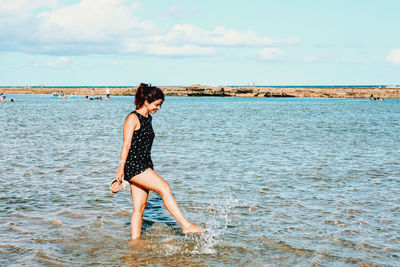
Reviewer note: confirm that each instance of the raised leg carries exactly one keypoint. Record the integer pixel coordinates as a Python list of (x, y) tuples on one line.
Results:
[(139, 197), (150, 180)]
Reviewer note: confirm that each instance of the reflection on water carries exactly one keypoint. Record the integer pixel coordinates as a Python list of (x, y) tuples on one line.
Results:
[(275, 181)]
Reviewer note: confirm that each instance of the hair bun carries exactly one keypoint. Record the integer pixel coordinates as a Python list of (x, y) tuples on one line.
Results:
[(147, 92)]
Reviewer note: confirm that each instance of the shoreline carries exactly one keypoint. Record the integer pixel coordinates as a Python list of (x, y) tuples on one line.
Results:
[(224, 91)]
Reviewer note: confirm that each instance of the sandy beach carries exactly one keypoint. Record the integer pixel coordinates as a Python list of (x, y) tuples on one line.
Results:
[(247, 91)]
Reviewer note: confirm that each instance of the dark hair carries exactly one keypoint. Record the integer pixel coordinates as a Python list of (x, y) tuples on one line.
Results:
[(147, 92)]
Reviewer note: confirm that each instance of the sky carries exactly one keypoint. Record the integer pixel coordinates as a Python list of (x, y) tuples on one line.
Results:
[(208, 42)]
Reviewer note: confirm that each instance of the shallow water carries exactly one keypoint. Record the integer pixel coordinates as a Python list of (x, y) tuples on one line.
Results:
[(292, 182)]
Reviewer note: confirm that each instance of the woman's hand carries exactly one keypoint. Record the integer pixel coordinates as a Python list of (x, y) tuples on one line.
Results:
[(119, 175)]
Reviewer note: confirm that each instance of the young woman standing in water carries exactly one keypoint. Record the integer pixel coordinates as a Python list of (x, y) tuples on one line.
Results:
[(136, 165)]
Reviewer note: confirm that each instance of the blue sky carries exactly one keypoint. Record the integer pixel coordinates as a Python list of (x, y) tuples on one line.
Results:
[(182, 42)]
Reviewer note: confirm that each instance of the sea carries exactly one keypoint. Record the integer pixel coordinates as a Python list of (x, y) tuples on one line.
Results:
[(275, 181)]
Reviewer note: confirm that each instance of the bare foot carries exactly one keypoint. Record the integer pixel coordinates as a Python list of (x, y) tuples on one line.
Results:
[(137, 243), (192, 228), (134, 241)]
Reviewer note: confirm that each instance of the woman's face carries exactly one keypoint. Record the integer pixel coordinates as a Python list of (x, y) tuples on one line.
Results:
[(154, 106)]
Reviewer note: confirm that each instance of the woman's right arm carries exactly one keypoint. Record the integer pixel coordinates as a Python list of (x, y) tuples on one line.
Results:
[(131, 122)]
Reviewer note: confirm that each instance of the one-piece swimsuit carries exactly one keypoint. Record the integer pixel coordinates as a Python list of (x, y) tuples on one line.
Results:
[(139, 155)]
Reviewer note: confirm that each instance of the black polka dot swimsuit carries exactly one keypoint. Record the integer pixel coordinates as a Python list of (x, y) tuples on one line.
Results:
[(139, 158)]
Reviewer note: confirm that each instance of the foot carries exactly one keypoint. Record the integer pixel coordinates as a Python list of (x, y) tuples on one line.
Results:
[(192, 228), (135, 241)]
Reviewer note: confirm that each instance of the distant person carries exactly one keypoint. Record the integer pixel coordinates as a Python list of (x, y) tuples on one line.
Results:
[(136, 166), (3, 97), (87, 97), (107, 93), (12, 100)]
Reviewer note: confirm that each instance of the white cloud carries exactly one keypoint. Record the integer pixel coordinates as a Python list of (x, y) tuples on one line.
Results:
[(96, 26), (221, 36), (189, 40), (169, 51), (270, 53), (92, 21), (186, 50), (16, 17), (394, 56), (23, 8), (104, 26)]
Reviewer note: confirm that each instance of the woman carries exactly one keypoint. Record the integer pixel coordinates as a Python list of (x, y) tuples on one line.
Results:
[(135, 162)]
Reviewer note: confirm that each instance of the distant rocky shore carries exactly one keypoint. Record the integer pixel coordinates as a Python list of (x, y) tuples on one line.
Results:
[(225, 91)]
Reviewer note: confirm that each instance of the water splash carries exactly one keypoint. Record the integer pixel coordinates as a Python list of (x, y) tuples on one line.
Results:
[(217, 221)]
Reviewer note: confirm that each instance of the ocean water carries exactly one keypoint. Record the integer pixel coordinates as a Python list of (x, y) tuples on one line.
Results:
[(276, 181)]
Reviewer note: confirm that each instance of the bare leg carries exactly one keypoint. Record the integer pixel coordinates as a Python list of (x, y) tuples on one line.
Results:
[(150, 180), (139, 197)]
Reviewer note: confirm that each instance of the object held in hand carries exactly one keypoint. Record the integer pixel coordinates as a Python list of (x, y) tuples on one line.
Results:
[(117, 185)]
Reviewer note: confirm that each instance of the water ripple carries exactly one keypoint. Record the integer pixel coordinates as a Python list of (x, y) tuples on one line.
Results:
[(275, 181)]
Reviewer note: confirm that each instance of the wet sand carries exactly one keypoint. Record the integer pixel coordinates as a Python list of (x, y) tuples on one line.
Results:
[(326, 92)]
